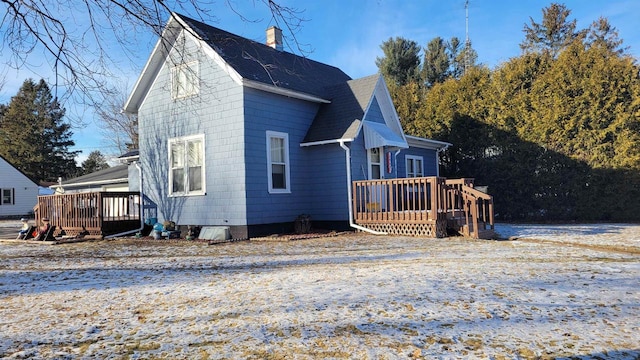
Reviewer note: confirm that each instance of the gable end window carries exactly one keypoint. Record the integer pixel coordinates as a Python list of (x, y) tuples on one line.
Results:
[(185, 80), (278, 162), (8, 197), (415, 166), (186, 166)]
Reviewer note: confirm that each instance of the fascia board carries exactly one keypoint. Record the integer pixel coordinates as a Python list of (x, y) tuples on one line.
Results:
[(87, 183), (325, 142), (424, 143), (285, 92), (381, 92), (154, 64)]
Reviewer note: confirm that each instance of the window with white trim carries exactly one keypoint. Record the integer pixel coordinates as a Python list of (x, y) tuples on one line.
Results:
[(415, 166), (186, 166), (7, 196), (185, 80), (278, 162)]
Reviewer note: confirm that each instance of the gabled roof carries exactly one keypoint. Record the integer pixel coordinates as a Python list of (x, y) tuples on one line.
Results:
[(256, 64), (18, 170), (342, 117), (113, 175), (350, 111)]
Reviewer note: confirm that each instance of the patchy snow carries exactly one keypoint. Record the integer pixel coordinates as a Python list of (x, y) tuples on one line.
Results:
[(556, 291)]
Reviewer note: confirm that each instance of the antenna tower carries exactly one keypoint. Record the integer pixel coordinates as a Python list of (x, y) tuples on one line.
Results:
[(466, 39)]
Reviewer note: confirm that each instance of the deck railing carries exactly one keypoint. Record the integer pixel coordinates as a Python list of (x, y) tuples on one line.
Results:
[(99, 213), (469, 207), (405, 200), (423, 200)]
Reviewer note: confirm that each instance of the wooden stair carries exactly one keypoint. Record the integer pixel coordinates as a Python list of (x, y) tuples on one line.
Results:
[(470, 211), (459, 226)]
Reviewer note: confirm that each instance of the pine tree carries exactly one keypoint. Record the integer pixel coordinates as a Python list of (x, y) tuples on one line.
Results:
[(401, 63), (94, 162), (553, 34), (34, 137), (435, 68)]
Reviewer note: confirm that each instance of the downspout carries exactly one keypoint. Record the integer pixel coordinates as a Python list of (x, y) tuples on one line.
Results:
[(395, 160), (141, 207), (347, 153)]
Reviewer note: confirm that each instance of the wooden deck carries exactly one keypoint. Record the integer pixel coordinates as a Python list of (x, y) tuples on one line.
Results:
[(426, 206), (99, 213)]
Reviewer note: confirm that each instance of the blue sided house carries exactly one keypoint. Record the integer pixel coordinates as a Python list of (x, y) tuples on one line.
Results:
[(246, 135)]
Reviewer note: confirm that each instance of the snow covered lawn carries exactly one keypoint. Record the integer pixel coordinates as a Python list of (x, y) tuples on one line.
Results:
[(556, 291)]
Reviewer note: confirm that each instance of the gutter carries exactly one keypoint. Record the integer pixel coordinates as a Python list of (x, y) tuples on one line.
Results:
[(325, 142), (141, 208), (347, 153), (283, 91), (90, 183)]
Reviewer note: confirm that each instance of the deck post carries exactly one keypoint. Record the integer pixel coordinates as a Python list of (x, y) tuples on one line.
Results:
[(433, 212)]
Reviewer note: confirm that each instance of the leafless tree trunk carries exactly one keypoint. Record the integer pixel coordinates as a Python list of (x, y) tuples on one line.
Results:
[(119, 129)]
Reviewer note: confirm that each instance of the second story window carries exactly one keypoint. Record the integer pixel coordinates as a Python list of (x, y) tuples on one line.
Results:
[(185, 80)]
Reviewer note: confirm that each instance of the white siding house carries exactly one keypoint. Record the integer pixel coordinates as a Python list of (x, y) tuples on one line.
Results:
[(18, 193)]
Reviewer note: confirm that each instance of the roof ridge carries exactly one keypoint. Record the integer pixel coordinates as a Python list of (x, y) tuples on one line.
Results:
[(199, 22)]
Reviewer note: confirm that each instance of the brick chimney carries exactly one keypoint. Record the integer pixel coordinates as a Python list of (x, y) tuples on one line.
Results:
[(274, 38)]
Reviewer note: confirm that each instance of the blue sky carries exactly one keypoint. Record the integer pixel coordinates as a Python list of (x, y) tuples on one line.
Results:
[(348, 33)]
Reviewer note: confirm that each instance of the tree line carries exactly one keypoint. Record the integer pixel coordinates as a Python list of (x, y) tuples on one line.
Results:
[(554, 133), (35, 138)]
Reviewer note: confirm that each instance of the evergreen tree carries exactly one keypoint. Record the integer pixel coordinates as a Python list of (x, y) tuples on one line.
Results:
[(401, 62), (94, 162), (553, 34), (583, 107), (435, 68), (34, 137), (601, 33)]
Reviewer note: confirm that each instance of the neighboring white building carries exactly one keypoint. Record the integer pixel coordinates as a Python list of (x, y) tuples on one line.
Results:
[(18, 193), (115, 178)]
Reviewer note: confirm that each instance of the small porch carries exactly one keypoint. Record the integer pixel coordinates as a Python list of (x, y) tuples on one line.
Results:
[(99, 213), (424, 206)]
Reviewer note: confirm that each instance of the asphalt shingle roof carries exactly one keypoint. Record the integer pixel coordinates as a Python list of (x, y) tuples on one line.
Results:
[(259, 62), (341, 119), (112, 173)]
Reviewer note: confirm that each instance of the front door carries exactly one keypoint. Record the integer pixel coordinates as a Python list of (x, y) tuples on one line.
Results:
[(375, 156)]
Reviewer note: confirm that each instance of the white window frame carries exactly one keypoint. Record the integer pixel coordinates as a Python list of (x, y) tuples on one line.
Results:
[(270, 163), (413, 171), (185, 140), (185, 74), (372, 163), (11, 196)]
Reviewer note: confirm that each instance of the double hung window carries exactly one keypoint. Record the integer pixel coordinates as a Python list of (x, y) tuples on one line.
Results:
[(186, 163), (185, 80), (278, 162)]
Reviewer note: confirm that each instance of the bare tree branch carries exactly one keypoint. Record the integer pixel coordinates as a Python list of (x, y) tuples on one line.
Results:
[(79, 37)]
